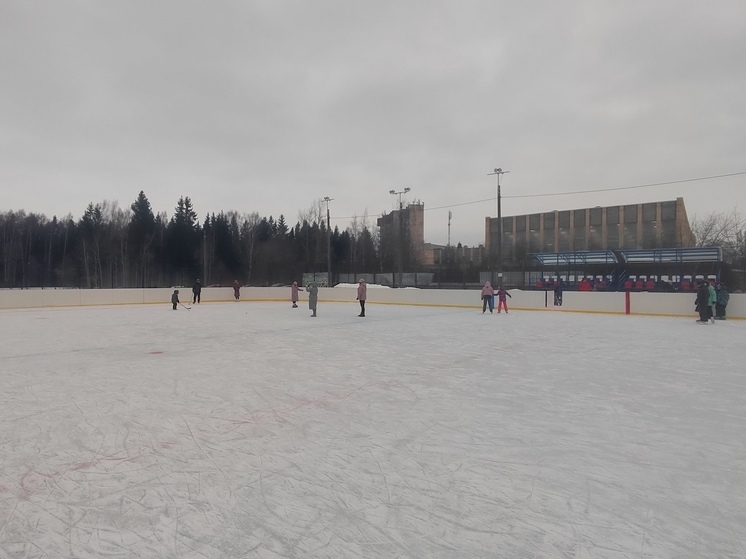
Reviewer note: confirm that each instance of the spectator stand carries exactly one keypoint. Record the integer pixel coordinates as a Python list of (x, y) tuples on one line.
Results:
[(663, 270)]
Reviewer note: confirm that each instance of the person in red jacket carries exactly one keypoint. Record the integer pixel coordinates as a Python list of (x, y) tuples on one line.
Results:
[(502, 301)]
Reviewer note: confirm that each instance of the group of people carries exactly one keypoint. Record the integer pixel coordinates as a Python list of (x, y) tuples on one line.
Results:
[(711, 302), (196, 295), (313, 296), (488, 298)]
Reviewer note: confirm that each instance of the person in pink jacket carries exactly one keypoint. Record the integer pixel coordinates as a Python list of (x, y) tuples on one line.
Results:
[(488, 297), (502, 301), (362, 293), (294, 294)]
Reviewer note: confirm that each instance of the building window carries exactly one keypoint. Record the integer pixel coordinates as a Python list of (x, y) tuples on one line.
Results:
[(648, 212), (630, 234), (520, 223), (668, 210), (579, 219), (549, 221), (534, 221), (630, 214), (564, 220), (596, 215), (612, 234), (612, 215)]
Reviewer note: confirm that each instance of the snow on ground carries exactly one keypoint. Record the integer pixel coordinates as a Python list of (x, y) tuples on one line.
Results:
[(254, 430)]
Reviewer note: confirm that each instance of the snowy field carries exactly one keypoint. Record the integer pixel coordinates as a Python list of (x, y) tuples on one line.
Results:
[(253, 430)]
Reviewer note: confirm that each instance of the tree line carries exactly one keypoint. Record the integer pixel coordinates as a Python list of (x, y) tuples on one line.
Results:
[(115, 247)]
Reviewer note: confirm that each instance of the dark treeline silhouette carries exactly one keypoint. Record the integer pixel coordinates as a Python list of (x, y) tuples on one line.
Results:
[(115, 247)]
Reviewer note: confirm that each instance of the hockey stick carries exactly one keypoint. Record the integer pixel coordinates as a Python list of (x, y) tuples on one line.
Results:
[(187, 308)]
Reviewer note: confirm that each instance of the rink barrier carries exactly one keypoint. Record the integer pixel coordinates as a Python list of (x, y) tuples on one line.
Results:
[(643, 303)]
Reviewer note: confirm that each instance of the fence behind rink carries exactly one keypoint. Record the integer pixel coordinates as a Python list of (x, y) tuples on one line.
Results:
[(671, 304)]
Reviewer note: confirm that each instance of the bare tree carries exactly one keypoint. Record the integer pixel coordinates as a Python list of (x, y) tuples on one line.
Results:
[(717, 229)]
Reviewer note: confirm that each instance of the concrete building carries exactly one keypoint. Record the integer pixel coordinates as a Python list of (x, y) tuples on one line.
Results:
[(634, 226), (404, 229)]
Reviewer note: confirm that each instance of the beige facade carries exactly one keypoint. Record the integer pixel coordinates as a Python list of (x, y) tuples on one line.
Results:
[(633, 226)]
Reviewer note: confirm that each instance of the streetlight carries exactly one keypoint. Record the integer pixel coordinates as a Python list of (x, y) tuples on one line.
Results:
[(499, 172), (328, 242), (401, 234)]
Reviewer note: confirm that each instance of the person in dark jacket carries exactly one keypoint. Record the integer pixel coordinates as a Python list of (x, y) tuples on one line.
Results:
[(558, 293), (196, 292), (722, 301), (702, 303), (313, 297), (236, 290), (175, 298)]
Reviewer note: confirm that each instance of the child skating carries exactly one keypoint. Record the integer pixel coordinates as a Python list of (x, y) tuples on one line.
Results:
[(502, 299)]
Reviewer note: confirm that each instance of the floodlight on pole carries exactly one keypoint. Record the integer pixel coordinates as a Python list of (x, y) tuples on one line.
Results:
[(499, 172), (401, 234), (330, 283)]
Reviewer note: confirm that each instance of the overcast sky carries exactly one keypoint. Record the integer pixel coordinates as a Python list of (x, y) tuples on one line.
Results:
[(268, 106)]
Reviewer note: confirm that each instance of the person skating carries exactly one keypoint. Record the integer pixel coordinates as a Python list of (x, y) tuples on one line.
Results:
[(236, 290), (294, 294), (175, 298), (313, 297), (713, 301), (722, 301), (702, 303), (362, 293), (502, 301), (196, 292), (488, 297)]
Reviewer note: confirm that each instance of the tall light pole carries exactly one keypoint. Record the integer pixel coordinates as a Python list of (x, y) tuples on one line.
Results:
[(499, 172), (401, 234), (328, 242)]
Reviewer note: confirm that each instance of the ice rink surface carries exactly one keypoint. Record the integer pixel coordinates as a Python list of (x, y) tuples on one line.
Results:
[(253, 430)]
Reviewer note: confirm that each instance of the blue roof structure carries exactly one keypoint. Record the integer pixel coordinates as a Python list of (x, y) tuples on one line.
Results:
[(645, 256)]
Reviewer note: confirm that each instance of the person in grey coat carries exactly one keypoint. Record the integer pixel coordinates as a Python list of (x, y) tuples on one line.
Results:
[(313, 297)]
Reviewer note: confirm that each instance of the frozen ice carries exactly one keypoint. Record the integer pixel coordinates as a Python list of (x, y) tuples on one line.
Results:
[(251, 430)]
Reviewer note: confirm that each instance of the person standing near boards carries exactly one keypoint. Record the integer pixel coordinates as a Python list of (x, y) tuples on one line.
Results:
[(362, 294), (196, 292), (294, 293)]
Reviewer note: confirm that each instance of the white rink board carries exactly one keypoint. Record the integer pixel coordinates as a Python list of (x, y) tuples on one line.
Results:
[(252, 430), (675, 304)]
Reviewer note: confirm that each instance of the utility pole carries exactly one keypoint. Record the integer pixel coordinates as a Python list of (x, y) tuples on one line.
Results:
[(449, 228), (499, 172), (401, 233), (328, 242)]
